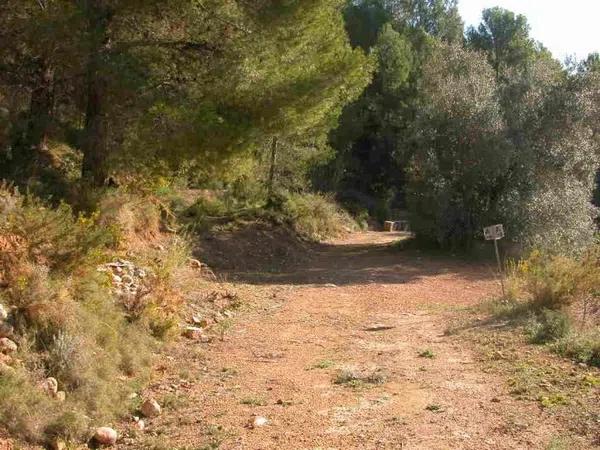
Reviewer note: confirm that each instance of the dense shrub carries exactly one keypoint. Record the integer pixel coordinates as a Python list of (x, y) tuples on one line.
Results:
[(461, 151), (548, 326)]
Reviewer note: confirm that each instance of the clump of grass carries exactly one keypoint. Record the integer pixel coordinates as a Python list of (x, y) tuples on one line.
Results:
[(555, 297), (433, 407), (580, 347), (253, 401), (323, 364), (552, 400), (355, 378), (558, 443), (427, 354)]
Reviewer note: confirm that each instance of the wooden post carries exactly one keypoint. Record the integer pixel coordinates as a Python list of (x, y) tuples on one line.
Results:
[(500, 272), (272, 168)]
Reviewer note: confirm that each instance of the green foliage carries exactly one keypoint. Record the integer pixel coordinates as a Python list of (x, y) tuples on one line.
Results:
[(54, 235), (548, 326), (559, 295), (549, 280), (460, 151), (556, 281), (505, 39), (427, 354), (580, 347), (395, 55)]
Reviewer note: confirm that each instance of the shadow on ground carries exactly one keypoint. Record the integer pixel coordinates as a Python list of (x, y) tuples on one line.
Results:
[(358, 259)]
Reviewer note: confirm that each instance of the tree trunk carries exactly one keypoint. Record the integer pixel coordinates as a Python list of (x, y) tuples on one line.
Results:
[(32, 153), (271, 181), (95, 144), (40, 110)]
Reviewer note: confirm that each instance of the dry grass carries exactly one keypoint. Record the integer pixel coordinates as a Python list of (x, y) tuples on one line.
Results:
[(67, 321), (317, 217)]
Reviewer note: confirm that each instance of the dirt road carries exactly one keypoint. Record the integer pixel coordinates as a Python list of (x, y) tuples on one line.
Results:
[(347, 352)]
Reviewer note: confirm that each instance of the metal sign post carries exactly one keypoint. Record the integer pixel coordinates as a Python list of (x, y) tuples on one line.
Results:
[(495, 233)]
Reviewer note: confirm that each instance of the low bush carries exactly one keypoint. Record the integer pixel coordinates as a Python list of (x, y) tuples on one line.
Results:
[(548, 326), (580, 347), (554, 281), (316, 217), (561, 297)]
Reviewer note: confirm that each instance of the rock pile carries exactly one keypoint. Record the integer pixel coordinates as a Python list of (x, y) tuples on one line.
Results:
[(50, 386), (127, 279)]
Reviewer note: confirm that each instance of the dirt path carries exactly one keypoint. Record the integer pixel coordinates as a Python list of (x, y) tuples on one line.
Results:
[(282, 358)]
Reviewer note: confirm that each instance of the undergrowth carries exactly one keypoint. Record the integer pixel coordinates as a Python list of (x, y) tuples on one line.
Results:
[(66, 319), (556, 300), (312, 216)]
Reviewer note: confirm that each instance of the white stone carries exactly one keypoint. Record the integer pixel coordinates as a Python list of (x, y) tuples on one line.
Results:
[(3, 313), (219, 318), (61, 396), (7, 346), (194, 263), (260, 421), (150, 408), (106, 436), (50, 385), (58, 444)]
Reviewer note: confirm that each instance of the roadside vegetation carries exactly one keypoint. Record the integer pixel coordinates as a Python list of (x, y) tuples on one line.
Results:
[(556, 300)]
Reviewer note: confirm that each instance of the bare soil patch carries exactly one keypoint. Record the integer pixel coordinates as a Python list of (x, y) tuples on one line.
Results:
[(349, 350)]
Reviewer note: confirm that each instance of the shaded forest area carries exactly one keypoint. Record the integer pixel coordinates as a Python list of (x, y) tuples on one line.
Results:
[(386, 104)]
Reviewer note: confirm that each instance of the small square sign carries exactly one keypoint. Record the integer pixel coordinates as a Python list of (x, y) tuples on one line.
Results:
[(493, 233)]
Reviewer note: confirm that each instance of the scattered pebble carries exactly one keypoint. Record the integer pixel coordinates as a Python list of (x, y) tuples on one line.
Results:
[(150, 408), (379, 327), (194, 263), (58, 444), (140, 424), (259, 421), (218, 317), (106, 436), (194, 333)]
